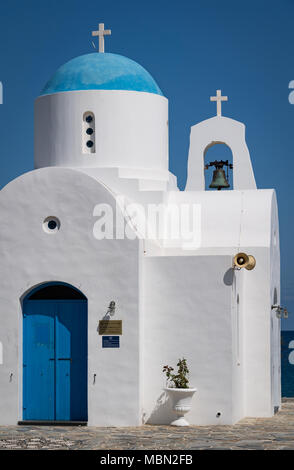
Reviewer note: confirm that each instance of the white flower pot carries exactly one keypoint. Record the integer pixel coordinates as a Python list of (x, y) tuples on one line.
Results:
[(181, 402)]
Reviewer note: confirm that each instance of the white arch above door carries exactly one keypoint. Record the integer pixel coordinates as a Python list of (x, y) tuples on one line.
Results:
[(219, 130)]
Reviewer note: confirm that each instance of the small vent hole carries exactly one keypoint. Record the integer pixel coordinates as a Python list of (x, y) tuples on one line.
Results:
[(88, 131)]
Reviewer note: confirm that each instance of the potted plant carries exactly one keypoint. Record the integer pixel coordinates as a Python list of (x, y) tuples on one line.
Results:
[(177, 387)]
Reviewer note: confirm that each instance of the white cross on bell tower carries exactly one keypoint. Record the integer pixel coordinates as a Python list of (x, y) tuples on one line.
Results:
[(101, 33), (218, 98)]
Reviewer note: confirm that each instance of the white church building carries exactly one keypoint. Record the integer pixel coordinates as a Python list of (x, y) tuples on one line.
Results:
[(95, 299)]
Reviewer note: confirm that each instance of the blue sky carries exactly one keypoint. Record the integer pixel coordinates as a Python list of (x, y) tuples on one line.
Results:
[(191, 48)]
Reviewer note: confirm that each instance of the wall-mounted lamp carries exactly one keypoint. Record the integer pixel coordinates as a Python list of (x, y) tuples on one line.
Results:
[(280, 311), (111, 308)]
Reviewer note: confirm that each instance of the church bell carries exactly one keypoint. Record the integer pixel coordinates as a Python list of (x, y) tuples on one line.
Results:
[(219, 179)]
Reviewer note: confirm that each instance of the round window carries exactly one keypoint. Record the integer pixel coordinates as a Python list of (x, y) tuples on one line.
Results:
[(51, 224)]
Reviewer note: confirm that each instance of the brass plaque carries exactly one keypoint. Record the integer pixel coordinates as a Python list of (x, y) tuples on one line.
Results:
[(110, 327)]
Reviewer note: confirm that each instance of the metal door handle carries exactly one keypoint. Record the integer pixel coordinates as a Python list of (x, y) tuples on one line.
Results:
[(65, 359)]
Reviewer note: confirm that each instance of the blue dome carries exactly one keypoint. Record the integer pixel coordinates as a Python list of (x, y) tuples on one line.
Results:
[(101, 71)]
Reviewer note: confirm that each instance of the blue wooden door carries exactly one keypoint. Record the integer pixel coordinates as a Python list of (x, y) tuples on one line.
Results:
[(55, 360)]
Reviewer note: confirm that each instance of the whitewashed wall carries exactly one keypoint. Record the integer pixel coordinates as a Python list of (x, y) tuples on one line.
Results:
[(103, 270), (262, 328), (246, 221), (187, 313), (131, 129)]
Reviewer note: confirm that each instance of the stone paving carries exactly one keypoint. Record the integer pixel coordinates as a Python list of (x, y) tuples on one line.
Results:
[(250, 433)]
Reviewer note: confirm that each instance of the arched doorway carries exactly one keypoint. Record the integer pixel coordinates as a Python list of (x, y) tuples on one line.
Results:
[(55, 350)]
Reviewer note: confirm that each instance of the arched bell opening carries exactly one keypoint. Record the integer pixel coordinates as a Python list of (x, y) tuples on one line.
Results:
[(218, 167)]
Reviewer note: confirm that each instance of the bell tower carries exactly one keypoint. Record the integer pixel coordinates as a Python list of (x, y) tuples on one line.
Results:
[(219, 130)]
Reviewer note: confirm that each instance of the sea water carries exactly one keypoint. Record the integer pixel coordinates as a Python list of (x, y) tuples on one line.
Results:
[(287, 363)]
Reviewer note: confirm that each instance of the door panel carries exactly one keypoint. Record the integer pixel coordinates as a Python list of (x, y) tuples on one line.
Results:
[(71, 361), (38, 361)]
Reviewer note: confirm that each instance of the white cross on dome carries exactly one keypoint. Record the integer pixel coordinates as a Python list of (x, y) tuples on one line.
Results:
[(101, 33)]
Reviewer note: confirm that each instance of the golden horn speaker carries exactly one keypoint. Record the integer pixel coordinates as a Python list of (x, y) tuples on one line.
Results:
[(251, 263), (242, 260)]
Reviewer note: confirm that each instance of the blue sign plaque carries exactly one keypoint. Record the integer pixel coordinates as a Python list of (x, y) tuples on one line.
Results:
[(110, 341)]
